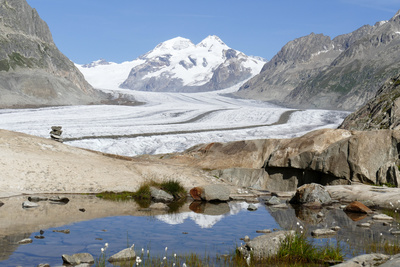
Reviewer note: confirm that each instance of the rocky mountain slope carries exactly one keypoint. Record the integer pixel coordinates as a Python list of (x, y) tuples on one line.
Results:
[(33, 72), (381, 112), (178, 65), (343, 73)]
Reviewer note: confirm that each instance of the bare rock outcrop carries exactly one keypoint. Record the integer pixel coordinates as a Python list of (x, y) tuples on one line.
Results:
[(33, 72), (327, 157)]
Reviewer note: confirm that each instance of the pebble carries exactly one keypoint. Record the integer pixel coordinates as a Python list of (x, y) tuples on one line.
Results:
[(383, 217), (252, 207)]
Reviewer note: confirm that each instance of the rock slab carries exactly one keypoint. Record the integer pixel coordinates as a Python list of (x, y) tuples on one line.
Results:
[(78, 258), (357, 207), (127, 254)]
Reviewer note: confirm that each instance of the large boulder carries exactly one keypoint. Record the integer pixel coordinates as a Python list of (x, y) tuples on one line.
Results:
[(127, 254), (215, 192), (311, 193), (265, 246)]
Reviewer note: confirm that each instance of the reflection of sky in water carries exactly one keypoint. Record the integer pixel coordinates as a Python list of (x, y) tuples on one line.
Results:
[(148, 232)]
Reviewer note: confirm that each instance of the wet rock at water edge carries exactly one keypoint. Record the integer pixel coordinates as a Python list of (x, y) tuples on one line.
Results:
[(215, 192), (44, 265), (374, 259), (252, 207), (273, 201), (364, 225), (78, 258), (335, 228), (28, 204), (59, 200), (310, 193), (25, 241), (265, 231), (37, 198), (382, 217), (127, 254), (195, 193), (39, 236), (66, 231), (264, 246), (357, 207), (159, 195), (323, 232)]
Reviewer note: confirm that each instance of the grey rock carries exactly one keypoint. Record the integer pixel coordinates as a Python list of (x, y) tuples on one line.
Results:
[(395, 232), (335, 228), (60, 200), (264, 246), (365, 225), (78, 258), (265, 231), (43, 265), (374, 259), (311, 193), (28, 204), (124, 255), (160, 195), (37, 198), (252, 207), (273, 201), (380, 112), (382, 217), (215, 193), (25, 241), (246, 238), (393, 261), (323, 232)]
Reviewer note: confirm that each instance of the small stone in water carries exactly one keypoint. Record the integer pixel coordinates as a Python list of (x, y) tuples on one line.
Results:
[(25, 241), (265, 231)]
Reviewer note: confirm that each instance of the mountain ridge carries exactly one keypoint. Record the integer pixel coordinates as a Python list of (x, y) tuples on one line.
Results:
[(304, 75), (33, 72), (179, 65)]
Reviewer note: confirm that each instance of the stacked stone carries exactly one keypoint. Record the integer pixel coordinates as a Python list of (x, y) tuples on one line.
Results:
[(55, 133)]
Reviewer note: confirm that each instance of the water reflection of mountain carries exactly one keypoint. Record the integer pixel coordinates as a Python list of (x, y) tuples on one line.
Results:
[(8, 244), (356, 236), (205, 214)]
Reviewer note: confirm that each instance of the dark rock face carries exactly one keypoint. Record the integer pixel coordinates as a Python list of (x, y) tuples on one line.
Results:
[(381, 112), (317, 72), (33, 71)]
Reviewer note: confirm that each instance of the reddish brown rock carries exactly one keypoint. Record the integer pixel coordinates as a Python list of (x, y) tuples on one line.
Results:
[(357, 207), (195, 192)]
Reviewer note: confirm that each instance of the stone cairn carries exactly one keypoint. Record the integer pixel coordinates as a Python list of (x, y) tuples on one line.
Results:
[(55, 133)]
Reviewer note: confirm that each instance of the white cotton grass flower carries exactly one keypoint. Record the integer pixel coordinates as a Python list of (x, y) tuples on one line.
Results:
[(164, 258), (142, 250), (102, 250), (184, 265), (166, 248), (174, 255), (106, 245), (148, 252)]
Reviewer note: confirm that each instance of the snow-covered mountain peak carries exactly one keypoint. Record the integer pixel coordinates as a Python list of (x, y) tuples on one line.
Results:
[(96, 63), (179, 65), (211, 41), (178, 43)]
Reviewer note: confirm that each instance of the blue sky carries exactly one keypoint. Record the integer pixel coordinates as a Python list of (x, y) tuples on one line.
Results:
[(122, 30)]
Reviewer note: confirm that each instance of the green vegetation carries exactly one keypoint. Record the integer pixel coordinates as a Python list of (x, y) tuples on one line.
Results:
[(143, 195), (297, 249)]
